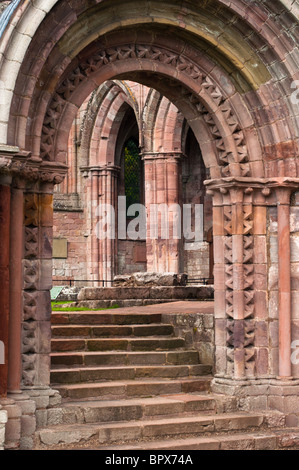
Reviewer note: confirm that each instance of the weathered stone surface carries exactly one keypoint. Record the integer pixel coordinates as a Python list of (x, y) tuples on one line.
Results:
[(147, 293)]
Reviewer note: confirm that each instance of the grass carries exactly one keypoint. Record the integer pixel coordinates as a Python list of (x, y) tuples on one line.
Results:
[(56, 308)]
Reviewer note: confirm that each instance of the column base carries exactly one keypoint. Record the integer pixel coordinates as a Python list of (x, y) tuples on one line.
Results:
[(3, 422), (44, 398), (263, 394), (27, 418), (13, 424)]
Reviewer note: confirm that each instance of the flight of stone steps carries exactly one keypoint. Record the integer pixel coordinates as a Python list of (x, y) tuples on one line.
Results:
[(127, 382)]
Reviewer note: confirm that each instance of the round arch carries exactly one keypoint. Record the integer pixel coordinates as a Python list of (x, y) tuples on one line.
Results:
[(228, 67)]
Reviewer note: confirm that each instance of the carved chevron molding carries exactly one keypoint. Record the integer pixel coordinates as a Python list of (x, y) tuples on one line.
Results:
[(233, 152)]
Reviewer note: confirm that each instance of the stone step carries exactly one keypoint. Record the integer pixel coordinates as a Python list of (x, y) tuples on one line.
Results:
[(92, 374), (99, 318), (112, 331), (115, 390), (116, 344), (117, 358), (127, 410), (163, 428), (263, 440)]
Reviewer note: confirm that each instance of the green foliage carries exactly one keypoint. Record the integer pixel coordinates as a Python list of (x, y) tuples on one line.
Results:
[(56, 307), (132, 172)]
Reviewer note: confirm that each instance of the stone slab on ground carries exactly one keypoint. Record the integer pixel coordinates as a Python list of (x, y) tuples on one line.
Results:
[(146, 293)]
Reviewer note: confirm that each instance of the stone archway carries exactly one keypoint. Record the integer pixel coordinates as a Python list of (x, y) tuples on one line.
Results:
[(191, 88), (221, 92)]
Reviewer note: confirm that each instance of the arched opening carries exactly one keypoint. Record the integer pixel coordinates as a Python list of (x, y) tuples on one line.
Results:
[(131, 249), (132, 173), (228, 70)]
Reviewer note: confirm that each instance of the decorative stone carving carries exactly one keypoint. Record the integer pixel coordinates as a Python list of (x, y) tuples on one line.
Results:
[(31, 210), (30, 305), (29, 361), (31, 273), (233, 152), (31, 242), (239, 284), (30, 279)]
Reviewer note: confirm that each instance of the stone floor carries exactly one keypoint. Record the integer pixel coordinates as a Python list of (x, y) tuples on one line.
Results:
[(192, 306)]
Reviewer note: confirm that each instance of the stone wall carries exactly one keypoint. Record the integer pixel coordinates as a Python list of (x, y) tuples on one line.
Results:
[(3, 421), (197, 260), (71, 226), (131, 256), (98, 297), (198, 331)]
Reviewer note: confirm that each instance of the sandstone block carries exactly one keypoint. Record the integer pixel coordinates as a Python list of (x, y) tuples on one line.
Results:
[(3, 417), (28, 425)]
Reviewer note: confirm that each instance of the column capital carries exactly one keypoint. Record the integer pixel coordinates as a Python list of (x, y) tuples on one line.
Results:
[(7, 153), (100, 169), (264, 191), (19, 164), (147, 156)]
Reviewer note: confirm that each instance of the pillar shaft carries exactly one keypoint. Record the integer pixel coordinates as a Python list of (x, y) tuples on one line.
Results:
[(4, 280), (15, 268), (284, 282), (94, 242), (104, 238), (108, 246), (162, 174)]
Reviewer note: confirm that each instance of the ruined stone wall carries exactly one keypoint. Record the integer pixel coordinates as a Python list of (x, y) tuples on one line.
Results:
[(3, 421), (72, 227), (197, 260), (198, 331), (131, 256)]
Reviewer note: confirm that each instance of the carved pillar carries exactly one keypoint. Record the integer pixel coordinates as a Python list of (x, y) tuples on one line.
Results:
[(241, 277), (252, 331), (37, 271), (37, 283), (162, 176), (5, 181), (234, 290)]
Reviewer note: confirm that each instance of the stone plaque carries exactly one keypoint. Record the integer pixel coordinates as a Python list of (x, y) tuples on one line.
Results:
[(59, 248)]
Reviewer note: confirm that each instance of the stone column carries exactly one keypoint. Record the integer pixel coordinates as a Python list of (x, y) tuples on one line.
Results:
[(252, 344), (241, 272), (104, 181), (234, 289), (7, 317), (37, 283), (15, 288), (108, 180), (5, 181), (93, 203), (284, 281), (162, 176)]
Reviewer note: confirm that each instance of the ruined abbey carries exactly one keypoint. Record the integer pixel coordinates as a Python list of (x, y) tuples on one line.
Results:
[(149, 224)]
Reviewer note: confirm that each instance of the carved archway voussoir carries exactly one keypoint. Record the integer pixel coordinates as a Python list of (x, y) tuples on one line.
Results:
[(202, 94)]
